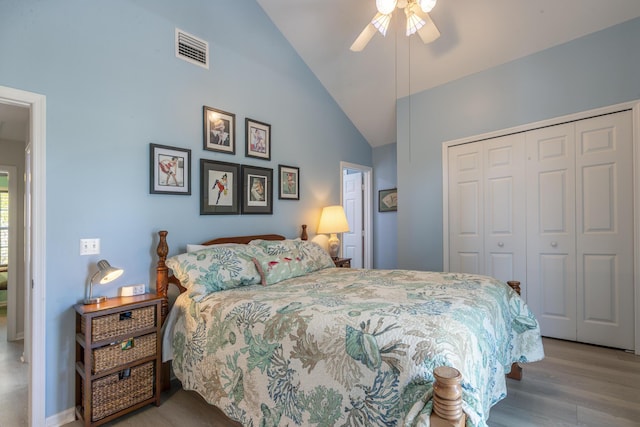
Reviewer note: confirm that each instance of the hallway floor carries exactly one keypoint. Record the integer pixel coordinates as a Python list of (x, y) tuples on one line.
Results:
[(13, 379)]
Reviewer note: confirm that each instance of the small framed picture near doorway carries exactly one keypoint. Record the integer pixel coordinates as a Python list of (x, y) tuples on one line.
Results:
[(388, 200), (289, 182), (170, 170)]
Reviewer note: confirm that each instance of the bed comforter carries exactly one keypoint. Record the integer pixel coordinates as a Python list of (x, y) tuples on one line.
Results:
[(351, 347)]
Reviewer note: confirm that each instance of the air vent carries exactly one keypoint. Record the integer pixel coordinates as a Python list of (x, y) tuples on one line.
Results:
[(192, 49)]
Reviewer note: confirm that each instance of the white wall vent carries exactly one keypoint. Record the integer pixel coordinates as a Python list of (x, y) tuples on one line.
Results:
[(192, 49)]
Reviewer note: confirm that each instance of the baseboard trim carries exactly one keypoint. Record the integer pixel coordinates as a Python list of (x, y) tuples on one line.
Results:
[(62, 418)]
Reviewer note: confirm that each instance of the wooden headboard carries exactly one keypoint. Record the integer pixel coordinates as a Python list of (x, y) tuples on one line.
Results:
[(163, 278)]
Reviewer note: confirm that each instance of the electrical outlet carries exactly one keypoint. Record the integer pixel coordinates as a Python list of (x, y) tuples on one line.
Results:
[(131, 290), (89, 246), (138, 289)]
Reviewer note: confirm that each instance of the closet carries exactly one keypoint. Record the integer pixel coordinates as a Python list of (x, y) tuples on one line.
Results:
[(553, 208)]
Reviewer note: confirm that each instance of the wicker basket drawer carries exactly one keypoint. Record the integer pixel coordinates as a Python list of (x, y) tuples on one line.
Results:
[(116, 392), (108, 357), (128, 322)]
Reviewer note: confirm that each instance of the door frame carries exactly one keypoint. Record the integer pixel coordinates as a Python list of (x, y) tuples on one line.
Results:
[(634, 106), (367, 214), (36, 320)]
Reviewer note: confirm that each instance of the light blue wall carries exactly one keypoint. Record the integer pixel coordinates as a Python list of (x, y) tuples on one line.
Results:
[(594, 71), (113, 85), (385, 224)]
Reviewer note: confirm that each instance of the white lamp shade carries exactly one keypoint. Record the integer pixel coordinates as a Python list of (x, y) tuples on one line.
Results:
[(381, 22), (333, 220), (427, 5), (414, 23), (385, 7)]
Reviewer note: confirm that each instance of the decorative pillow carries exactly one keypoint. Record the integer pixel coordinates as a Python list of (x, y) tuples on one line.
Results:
[(277, 247), (274, 269), (313, 256), (216, 268)]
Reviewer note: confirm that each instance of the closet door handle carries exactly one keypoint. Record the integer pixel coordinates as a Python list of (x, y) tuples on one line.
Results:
[(554, 244), (500, 244)]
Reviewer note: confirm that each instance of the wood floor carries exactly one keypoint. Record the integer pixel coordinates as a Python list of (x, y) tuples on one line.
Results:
[(575, 385), (13, 379)]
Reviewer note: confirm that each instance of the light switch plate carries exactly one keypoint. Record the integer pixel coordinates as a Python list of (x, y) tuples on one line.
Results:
[(89, 246)]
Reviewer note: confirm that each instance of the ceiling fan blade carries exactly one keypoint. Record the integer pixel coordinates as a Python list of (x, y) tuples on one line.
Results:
[(364, 38), (428, 32)]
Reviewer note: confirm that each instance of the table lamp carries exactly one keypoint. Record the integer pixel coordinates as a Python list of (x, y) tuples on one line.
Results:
[(333, 221), (105, 274)]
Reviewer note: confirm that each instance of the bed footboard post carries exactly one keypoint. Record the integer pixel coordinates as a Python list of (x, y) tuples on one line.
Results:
[(447, 398), (516, 370), (515, 285), (162, 274)]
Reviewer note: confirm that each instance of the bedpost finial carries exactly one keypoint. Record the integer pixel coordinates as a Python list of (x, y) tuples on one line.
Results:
[(163, 248), (304, 235)]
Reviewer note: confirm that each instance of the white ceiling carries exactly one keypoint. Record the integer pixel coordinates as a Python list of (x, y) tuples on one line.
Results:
[(476, 35)]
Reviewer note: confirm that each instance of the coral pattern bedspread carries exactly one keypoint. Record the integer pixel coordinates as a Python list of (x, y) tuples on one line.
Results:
[(351, 347)]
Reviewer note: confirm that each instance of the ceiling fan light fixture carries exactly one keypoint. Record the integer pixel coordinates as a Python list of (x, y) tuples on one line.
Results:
[(381, 22), (385, 7), (427, 5), (414, 22)]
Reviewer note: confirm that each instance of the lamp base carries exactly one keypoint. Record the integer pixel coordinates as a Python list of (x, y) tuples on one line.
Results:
[(95, 300), (334, 246)]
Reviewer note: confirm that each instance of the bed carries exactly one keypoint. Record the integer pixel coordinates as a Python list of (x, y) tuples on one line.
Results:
[(295, 341)]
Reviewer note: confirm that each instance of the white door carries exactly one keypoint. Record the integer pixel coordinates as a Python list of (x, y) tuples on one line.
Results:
[(551, 240), (466, 213), (352, 246), (504, 209), (604, 225)]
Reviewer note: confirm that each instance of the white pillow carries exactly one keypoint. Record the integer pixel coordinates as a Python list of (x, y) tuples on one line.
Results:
[(193, 248)]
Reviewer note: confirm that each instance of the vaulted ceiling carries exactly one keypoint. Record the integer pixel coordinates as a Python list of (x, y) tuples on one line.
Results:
[(475, 36)]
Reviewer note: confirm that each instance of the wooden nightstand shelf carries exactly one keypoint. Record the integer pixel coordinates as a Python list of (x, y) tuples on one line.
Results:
[(342, 262), (117, 357)]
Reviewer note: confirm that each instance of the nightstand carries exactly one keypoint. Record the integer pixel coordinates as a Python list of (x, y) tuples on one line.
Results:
[(342, 262), (118, 357)]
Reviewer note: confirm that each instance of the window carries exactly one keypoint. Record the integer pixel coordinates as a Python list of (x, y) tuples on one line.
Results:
[(4, 227)]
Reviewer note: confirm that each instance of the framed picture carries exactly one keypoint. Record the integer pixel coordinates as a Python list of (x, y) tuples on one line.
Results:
[(219, 130), (170, 170), (289, 188), (219, 188), (257, 190), (388, 200), (258, 139)]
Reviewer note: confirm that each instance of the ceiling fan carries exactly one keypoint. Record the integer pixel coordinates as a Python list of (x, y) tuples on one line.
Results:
[(418, 20)]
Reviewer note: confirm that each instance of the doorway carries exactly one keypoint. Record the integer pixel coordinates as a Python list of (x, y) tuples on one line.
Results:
[(34, 247), (355, 187), (11, 295)]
